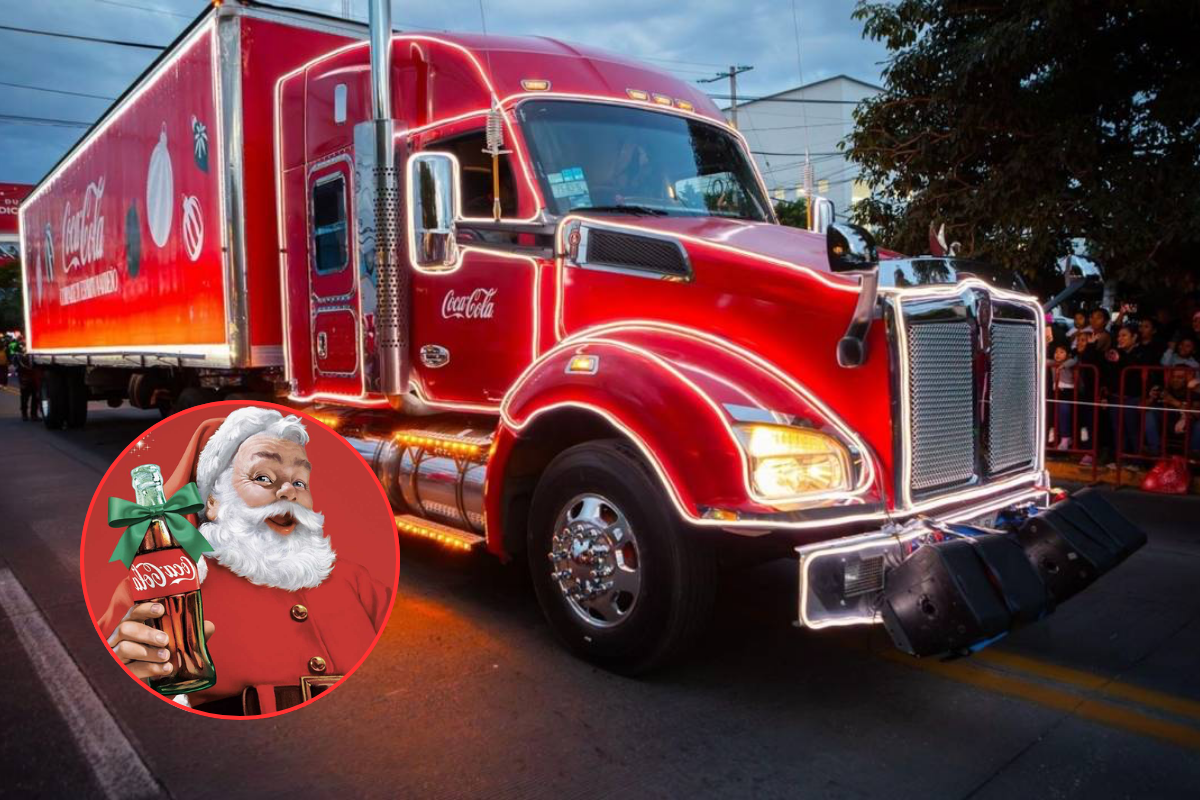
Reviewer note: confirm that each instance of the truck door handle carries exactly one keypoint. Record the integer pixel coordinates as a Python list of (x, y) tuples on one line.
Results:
[(322, 345)]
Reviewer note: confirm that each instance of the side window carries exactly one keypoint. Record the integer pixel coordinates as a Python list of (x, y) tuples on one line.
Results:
[(477, 175), (329, 224)]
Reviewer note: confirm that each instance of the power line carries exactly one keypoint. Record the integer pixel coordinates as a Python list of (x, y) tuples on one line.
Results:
[(797, 127), (60, 123), (676, 61), (75, 37), (769, 99), (815, 155), (55, 91), (146, 8)]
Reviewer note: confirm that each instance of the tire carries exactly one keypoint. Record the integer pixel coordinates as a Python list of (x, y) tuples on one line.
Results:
[(193, 396), (77, 398), (54, 399), (584, 489)]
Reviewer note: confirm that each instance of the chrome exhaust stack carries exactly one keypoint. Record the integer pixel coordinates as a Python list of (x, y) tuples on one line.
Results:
[(377, 207)]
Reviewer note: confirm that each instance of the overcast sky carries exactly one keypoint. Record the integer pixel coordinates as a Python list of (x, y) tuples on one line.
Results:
[(687, 37)]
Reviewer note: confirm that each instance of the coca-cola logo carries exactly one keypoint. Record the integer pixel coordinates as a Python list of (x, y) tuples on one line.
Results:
[(148, 575), (83, 230), (476, 305)]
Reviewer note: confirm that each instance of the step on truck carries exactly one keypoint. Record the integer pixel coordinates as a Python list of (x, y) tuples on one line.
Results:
[(543, 291)]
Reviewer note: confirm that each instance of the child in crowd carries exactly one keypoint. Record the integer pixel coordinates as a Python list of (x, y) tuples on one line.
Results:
[(1063, 383), (1181, 354)]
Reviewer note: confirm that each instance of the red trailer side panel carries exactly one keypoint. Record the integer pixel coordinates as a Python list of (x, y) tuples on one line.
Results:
[(123, 243), (269, 51)]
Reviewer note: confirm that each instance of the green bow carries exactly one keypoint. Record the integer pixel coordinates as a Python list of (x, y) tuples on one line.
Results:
[(137, 518)]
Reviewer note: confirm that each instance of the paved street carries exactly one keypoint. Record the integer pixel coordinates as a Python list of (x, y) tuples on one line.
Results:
[(467, 695)]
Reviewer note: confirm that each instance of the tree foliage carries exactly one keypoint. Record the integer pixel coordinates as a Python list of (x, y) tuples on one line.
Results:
[(1024, 124), (792, 212), (12, 315)]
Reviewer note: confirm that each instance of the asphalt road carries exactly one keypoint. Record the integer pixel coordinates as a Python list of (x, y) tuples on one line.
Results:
[(467, 694)]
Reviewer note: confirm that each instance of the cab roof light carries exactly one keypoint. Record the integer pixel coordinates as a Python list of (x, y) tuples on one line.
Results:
[(662, 99), (535, 85), (637, 94), (684, 104)]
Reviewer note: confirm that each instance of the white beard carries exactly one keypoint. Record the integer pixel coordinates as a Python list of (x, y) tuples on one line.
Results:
[(243, 542)]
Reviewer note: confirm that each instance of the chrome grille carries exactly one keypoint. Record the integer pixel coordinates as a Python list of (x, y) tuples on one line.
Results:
[(1012, 412), (941, 398)]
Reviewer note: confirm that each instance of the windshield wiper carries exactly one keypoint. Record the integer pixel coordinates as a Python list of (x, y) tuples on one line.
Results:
[(642, 211)]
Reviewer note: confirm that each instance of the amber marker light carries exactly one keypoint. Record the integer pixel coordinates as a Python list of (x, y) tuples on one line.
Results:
[(535, 85), (583, 365), (663, 100), (404, 526), (637, 94), (447, 447), (685, 105)]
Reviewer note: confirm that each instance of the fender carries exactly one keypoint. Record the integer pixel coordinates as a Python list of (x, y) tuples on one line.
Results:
[(673, 393)]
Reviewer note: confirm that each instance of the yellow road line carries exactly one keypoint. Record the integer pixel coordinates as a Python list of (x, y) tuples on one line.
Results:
[(1095, 710), (1092, 682)]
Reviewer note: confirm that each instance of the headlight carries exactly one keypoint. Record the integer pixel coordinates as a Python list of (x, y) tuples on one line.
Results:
[(787, 462)]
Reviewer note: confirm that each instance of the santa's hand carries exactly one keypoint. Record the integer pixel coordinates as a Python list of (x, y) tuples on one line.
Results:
[(142, 647)]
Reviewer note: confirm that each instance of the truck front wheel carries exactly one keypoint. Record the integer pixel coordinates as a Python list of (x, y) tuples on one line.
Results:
[(620, 579)]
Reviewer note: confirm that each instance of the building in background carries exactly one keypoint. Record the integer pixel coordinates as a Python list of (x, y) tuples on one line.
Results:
[(779, 128), (11, 195)]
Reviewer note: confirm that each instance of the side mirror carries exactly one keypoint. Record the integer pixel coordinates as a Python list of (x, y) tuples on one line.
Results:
[(433, 209), (850, 248)]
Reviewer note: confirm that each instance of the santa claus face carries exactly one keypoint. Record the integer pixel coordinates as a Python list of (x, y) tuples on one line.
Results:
[(267, 469), (262, 524)]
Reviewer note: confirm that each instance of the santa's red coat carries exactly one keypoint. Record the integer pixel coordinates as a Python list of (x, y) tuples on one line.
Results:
[(261, 641)]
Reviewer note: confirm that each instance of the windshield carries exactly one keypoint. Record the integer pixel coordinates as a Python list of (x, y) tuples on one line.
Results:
[(614, 158)]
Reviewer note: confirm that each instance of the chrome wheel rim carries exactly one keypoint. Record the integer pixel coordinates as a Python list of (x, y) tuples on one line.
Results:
[(595, 560)]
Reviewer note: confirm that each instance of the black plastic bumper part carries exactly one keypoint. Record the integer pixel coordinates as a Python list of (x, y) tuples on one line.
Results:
[(955, 596)]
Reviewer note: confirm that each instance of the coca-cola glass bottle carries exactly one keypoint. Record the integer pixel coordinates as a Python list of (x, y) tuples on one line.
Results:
[(162, 572)]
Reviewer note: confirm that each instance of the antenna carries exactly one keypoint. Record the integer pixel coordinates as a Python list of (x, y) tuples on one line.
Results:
[(494, 130)]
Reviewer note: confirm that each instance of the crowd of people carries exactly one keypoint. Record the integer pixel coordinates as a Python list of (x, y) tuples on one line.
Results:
[(14, 359), (1125, 383)]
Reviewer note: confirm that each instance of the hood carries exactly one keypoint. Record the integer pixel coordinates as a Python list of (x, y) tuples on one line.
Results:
[(779, 242)]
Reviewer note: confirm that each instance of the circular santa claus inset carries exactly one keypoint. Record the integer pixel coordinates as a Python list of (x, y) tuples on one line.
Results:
[(193, 226), (160, 191), (295, 554)]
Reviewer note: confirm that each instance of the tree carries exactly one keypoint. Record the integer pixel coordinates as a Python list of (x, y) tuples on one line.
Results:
[(1025, 124), (12, 315), (792, 212)]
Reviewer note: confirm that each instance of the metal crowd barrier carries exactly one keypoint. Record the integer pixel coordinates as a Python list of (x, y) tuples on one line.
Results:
[(1073, 413), (1133, 424), (1146, 427)]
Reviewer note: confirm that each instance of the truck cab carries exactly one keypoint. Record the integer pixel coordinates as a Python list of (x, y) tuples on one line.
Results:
[(606, 356)]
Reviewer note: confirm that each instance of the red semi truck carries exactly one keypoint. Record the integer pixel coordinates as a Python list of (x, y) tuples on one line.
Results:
[(543, 291)]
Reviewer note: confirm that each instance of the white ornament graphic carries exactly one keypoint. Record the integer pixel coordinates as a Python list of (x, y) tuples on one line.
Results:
[(193, 226), (160, 191)]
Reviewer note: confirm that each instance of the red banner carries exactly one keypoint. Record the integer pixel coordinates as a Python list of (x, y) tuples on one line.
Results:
[(11, 195), (123, 241)]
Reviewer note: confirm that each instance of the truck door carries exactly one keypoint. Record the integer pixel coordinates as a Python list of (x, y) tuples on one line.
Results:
[(333, 289), (474, 326)]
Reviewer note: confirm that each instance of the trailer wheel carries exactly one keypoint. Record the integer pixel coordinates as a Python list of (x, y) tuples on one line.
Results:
[(77, 397), (620, 579), (54, 399)]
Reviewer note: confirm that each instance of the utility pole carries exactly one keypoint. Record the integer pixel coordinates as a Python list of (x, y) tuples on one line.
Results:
[(732, 74)]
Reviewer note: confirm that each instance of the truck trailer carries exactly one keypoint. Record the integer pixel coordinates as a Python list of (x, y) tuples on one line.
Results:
[(543, 291)]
